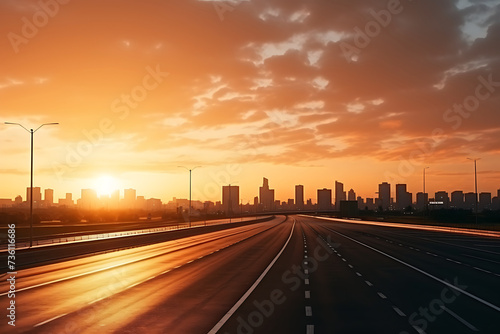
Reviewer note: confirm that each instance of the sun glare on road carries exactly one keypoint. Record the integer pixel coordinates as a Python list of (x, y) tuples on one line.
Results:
[(104, 185)]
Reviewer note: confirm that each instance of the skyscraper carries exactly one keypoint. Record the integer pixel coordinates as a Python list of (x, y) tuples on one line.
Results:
[(266, 195), (230, 199), (339, 194), (384, 195), (129, 198), (457, 199), (403, 197), (324, 199), (48, 197), (351, 195), (299, 196)]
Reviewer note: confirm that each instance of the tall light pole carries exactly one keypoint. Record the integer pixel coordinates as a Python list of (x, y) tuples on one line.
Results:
[(190, 170), (31, 131), (475, 183), (425, 200)]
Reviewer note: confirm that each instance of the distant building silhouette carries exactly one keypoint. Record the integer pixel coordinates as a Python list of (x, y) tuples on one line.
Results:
[(470, 201), (324, 199), (442, 196), (384, 195), (339, 194), (351, 195), (403, 197), (484, 201), (266, 195), (230, 199), (299, 196), (129, 198), (37, 196), (88, 200), (457, 200), (48, 197), (422, 200)]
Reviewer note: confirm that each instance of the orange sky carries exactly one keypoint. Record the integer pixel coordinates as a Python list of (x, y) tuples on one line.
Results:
[(302, 92)]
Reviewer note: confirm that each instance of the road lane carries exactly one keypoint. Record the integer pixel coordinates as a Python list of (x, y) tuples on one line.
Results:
[(90, 303)]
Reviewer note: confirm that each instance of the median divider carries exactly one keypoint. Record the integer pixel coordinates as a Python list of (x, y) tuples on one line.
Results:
[(110, 235)]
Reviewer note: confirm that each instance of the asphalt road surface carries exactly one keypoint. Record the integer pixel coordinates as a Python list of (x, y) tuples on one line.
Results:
[(295, 275)]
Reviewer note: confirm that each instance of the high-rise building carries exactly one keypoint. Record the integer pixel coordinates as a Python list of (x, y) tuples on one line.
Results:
[(325, 199), (351, 195), (470, 201), (384, 195), (48, 197), (457, 199), (442, 196), (339, 194), (37, 196), (403, 197), (88, 200), (230, 199), (299, 196), (266, 195), (484, 201), (422, 201), (129, 198)]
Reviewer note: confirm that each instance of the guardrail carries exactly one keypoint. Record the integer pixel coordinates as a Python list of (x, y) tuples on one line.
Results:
[(109, 235)]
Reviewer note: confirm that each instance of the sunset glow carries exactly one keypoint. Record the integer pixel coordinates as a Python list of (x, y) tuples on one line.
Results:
[(298, 92)]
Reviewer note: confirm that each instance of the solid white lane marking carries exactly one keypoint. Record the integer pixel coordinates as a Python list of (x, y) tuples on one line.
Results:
[(310, 329), (482, 301), (233, 309), (456, 316), (308, 311), (398, 311), (51, 319), (308, 294)]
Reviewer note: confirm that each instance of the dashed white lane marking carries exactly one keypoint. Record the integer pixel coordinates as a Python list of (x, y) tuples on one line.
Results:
[(486, 271), (233, 309), (418, 329), (306, 281), (344, 260), (381, 295), (305, 256), (51, 319), (368, 283), (308, 294), (350, 266), (306, 271), (398, 311), (310, 329), (453, 287), (308, 311), (457, 262), (456, 316), (358, 274)]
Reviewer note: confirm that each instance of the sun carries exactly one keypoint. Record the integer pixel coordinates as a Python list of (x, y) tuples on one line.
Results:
[(104, 185)]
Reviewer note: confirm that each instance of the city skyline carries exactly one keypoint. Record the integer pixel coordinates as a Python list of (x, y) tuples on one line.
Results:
[(395, 197)]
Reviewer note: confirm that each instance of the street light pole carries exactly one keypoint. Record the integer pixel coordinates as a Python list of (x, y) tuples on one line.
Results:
[(475, 183), (425, 200), (189, 210), (31, 131)]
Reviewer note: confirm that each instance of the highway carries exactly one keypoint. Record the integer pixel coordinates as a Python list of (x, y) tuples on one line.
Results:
[(288, 275)]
